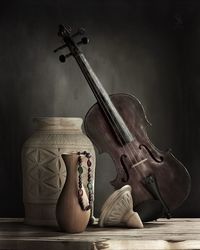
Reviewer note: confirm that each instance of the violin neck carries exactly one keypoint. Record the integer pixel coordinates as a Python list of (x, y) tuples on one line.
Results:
[(115, 120)]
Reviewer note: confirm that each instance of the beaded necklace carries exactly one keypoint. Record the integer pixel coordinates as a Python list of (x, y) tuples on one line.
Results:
[(89, 179)]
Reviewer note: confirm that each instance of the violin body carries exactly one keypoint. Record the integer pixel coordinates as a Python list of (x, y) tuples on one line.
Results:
[(117, 125), (171, 176)]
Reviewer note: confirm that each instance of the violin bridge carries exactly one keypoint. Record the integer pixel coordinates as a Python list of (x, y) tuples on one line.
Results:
[(138, 163)]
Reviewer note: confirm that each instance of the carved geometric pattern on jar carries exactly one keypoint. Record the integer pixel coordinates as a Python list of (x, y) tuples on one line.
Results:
[(46, 173)]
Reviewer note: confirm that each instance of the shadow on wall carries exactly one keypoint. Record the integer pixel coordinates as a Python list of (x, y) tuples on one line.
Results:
[(134, 48)]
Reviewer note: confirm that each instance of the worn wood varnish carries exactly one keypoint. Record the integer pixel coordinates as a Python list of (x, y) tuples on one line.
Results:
[(161, 234)]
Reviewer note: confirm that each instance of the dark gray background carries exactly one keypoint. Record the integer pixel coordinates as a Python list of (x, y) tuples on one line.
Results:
[(146, 48)]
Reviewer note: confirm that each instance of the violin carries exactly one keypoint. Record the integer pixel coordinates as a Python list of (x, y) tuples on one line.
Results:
[(116, 124)]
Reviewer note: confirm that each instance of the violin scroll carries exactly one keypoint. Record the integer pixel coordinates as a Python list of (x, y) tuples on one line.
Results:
[(65, 33), (64, 30)]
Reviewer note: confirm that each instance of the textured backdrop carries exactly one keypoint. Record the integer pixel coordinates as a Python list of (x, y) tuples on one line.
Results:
[(146, 48)]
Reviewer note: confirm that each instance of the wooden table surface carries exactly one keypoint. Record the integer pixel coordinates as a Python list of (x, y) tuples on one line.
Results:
[(161, 234)]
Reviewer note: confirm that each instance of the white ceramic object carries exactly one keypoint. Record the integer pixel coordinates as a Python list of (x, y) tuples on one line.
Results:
[(118, 210), (44, 172)]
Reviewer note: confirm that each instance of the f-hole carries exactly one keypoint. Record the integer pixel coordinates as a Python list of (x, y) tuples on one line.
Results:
[(151, 154)]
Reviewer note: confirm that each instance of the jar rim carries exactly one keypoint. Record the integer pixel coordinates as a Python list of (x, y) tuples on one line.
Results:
[(58, 122), (46, 118)]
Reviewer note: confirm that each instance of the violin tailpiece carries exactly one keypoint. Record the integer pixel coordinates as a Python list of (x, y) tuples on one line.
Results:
[(153, 188)]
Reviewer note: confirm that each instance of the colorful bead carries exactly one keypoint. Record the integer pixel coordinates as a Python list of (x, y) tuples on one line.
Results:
[(80, 192), (89, 185), (89, 163), (80, 170)]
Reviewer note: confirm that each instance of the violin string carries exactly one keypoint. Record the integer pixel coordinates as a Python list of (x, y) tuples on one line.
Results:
[(80, 63), (79, 59), (131, 149), (110, 119)]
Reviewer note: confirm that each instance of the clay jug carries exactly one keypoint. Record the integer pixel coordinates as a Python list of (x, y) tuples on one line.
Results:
[(70, 217)]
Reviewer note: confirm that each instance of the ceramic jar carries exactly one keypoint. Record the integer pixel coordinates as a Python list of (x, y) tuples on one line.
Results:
[(44, 171)]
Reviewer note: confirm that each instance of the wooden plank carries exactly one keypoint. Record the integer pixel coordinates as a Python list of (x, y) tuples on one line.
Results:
[(106, 244), (161, 234)]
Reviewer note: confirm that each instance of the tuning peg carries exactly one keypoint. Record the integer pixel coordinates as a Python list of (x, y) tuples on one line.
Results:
[(61, 47), (84, 40), (80, 31), (62, 58)]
